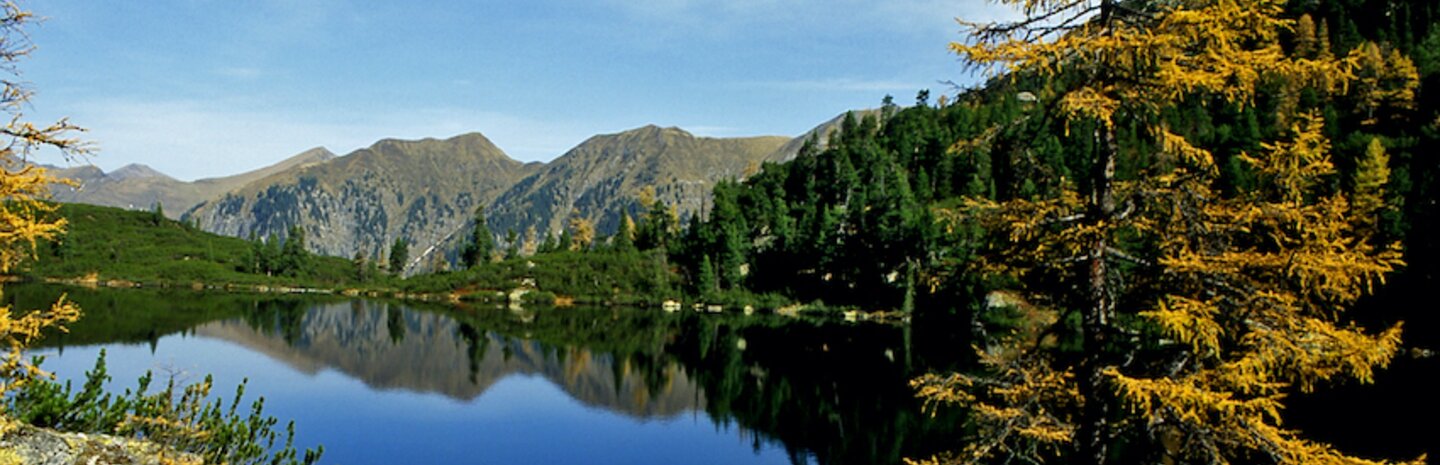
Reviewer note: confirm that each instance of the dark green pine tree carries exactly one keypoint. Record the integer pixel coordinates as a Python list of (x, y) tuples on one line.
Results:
[(624, 238), (656, 230), (705, 278), (482, 242), (255, 262), (159, 212), (566, 240), (270, 255), (727, 223), (399, 256), (294, 259), (549, 245)]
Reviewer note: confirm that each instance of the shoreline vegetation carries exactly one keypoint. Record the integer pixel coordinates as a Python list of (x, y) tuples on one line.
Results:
[(169, 254), (516, 298)]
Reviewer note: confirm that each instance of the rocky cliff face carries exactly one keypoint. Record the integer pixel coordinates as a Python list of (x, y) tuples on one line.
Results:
[(603, 176), (419, 190)]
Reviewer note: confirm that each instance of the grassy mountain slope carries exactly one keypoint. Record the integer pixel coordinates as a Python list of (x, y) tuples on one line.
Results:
[(419, 190), (138, 187), (601, 177), (140, 246)]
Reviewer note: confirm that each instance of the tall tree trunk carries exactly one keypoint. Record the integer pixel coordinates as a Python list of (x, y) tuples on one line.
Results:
[(1099, 305)]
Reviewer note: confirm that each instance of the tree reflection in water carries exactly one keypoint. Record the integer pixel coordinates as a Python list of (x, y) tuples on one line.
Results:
[(825, 392)]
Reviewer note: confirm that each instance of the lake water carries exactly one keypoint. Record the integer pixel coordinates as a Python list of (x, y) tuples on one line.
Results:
[(389, 383), (386, 383)]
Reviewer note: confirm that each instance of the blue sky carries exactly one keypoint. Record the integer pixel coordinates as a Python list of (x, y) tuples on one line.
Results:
[(201, 88)]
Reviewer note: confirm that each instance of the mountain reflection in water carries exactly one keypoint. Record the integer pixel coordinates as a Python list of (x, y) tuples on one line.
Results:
[(378, 382), (387, 346)]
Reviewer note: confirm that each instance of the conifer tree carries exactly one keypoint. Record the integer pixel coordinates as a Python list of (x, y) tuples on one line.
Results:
[(1385, 82), (294, 259), (159, 213), (657, 227), (256, 260), (1322, 40), (582, 233), (705, 282), (1195, 313), (482, 242), (399, 256), (1370, 179), (270, 255), (1305, 43), (549, 245), (625, 234), (566, 241)]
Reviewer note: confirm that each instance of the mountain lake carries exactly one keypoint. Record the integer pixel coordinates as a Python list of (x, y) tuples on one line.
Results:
[(383, 382), (388, 382)]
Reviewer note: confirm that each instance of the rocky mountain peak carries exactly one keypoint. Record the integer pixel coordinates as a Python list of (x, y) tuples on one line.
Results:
[(135, 171)]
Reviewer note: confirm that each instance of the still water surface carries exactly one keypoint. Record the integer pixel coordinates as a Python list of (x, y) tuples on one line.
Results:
[(386, 383)]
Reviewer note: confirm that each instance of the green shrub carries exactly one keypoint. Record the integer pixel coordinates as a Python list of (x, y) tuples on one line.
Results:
[(185, 420)]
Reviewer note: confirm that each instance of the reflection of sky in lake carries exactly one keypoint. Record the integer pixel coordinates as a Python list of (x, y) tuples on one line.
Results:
[(520, 419)]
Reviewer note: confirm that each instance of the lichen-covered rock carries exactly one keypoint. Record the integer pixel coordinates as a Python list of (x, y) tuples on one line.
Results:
[(27, 445)]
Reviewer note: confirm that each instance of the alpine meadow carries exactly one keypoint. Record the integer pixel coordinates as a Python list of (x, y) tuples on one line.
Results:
[(1102, 232)]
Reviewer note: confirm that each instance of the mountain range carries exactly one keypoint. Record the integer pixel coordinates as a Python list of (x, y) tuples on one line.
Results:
[(426, 191), (422, 191), (139, 187)]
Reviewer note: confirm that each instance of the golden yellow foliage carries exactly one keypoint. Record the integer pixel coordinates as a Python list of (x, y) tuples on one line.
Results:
[(1384, 80), (646, 196), (1370, 179), (1306, 45), (25, 218), (1198, 311), (583, 233), (531, 242)]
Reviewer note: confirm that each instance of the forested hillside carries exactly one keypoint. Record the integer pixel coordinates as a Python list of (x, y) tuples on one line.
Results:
[(1188, 213), (863, 220)]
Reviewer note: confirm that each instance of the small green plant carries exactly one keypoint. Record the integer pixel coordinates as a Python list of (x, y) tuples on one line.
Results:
[(180, 419)]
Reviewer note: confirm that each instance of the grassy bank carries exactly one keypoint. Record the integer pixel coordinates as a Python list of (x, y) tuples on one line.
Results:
[(111, 244)]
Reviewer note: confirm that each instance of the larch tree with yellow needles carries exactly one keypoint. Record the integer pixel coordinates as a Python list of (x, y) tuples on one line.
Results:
[(1196, 312), (25, 218)]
